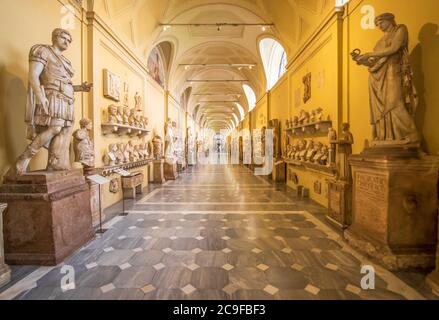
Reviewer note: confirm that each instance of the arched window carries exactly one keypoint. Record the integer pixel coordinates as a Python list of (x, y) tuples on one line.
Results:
[(241, 112), (251, 97), (274, 58)]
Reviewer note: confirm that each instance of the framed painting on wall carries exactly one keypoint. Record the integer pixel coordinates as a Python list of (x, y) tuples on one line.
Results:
[(112, 86)]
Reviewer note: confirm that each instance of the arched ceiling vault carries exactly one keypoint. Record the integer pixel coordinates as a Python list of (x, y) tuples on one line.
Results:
[(139, 24)]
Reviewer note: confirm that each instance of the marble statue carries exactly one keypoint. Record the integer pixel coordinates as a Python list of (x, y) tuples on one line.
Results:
[(138, 119), (170, 143), (120, 114), (144, 150), (303, 149), (126, 93), (145, 122), (138, 102), (332, 139), (83, 145), (311, 151), (157, 147), (121, 155), (317, 115), (315, 153), (126, 116), (132, 118), (393, 98), (323, 156), (49, 112), (344, 151), (303, 118), (295, 121), (111, 157), (113, 116), (136, 156)]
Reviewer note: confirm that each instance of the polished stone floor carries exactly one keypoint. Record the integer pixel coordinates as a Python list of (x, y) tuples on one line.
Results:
[(218, 232)]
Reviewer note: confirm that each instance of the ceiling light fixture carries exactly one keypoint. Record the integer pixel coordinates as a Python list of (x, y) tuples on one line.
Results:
[(217, 94), (219, 65), (217, 80), (218, 101), (219, 25)]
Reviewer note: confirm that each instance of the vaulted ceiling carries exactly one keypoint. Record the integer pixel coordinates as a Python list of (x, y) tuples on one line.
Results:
[(209, 52)]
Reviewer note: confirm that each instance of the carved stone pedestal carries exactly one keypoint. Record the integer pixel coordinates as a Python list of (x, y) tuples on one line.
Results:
[(395, 208), (94, 204), (279, 171), (5, 272), (339, 203), (48, 217), (171, 172), (132, 185), (159, 175)]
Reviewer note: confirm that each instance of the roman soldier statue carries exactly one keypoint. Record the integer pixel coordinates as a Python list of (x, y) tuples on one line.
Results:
[(50, 106)]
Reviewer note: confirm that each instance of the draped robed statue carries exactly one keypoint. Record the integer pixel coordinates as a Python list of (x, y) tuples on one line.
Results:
[(393, 98)]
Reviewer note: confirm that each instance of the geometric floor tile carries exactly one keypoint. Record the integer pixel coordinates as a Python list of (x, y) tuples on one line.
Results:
[(188, 289), (271, 290), (263, 267), (108, 288), (353, 289), (311, 289), (148, 288)]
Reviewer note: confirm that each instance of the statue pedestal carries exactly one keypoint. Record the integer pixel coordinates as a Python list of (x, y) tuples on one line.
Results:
[(279, 173), (5, 272), (339, 203), (395, 208), (94, 204), (159, 176), (171, 172), (48, 216), (132, 185)]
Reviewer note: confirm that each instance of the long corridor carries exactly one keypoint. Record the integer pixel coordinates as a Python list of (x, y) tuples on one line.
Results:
[(218, 232)]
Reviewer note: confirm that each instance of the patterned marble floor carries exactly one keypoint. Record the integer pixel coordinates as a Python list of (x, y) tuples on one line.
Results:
[(218, 232)]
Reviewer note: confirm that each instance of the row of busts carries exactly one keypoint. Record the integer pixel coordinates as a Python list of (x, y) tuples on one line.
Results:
[(125, 116), (125, 153), (308, 151), (305, 118)]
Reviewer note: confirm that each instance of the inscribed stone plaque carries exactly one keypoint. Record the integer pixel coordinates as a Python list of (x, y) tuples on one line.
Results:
[(371, 201)]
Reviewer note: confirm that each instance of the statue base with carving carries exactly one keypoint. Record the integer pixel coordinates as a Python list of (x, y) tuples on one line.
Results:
[(394, 208), (48, 216), (171, 171), (339, 203)]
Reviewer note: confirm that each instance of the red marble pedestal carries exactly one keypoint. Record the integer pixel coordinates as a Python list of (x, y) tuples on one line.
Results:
[(48, 217)]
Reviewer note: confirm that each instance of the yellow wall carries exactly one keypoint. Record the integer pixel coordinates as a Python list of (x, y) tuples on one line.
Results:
[(259, 117), (320, 58)]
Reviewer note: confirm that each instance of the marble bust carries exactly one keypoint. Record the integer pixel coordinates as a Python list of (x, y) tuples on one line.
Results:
[(83, 145), (110, 158), (126, 115), (113, 116)]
